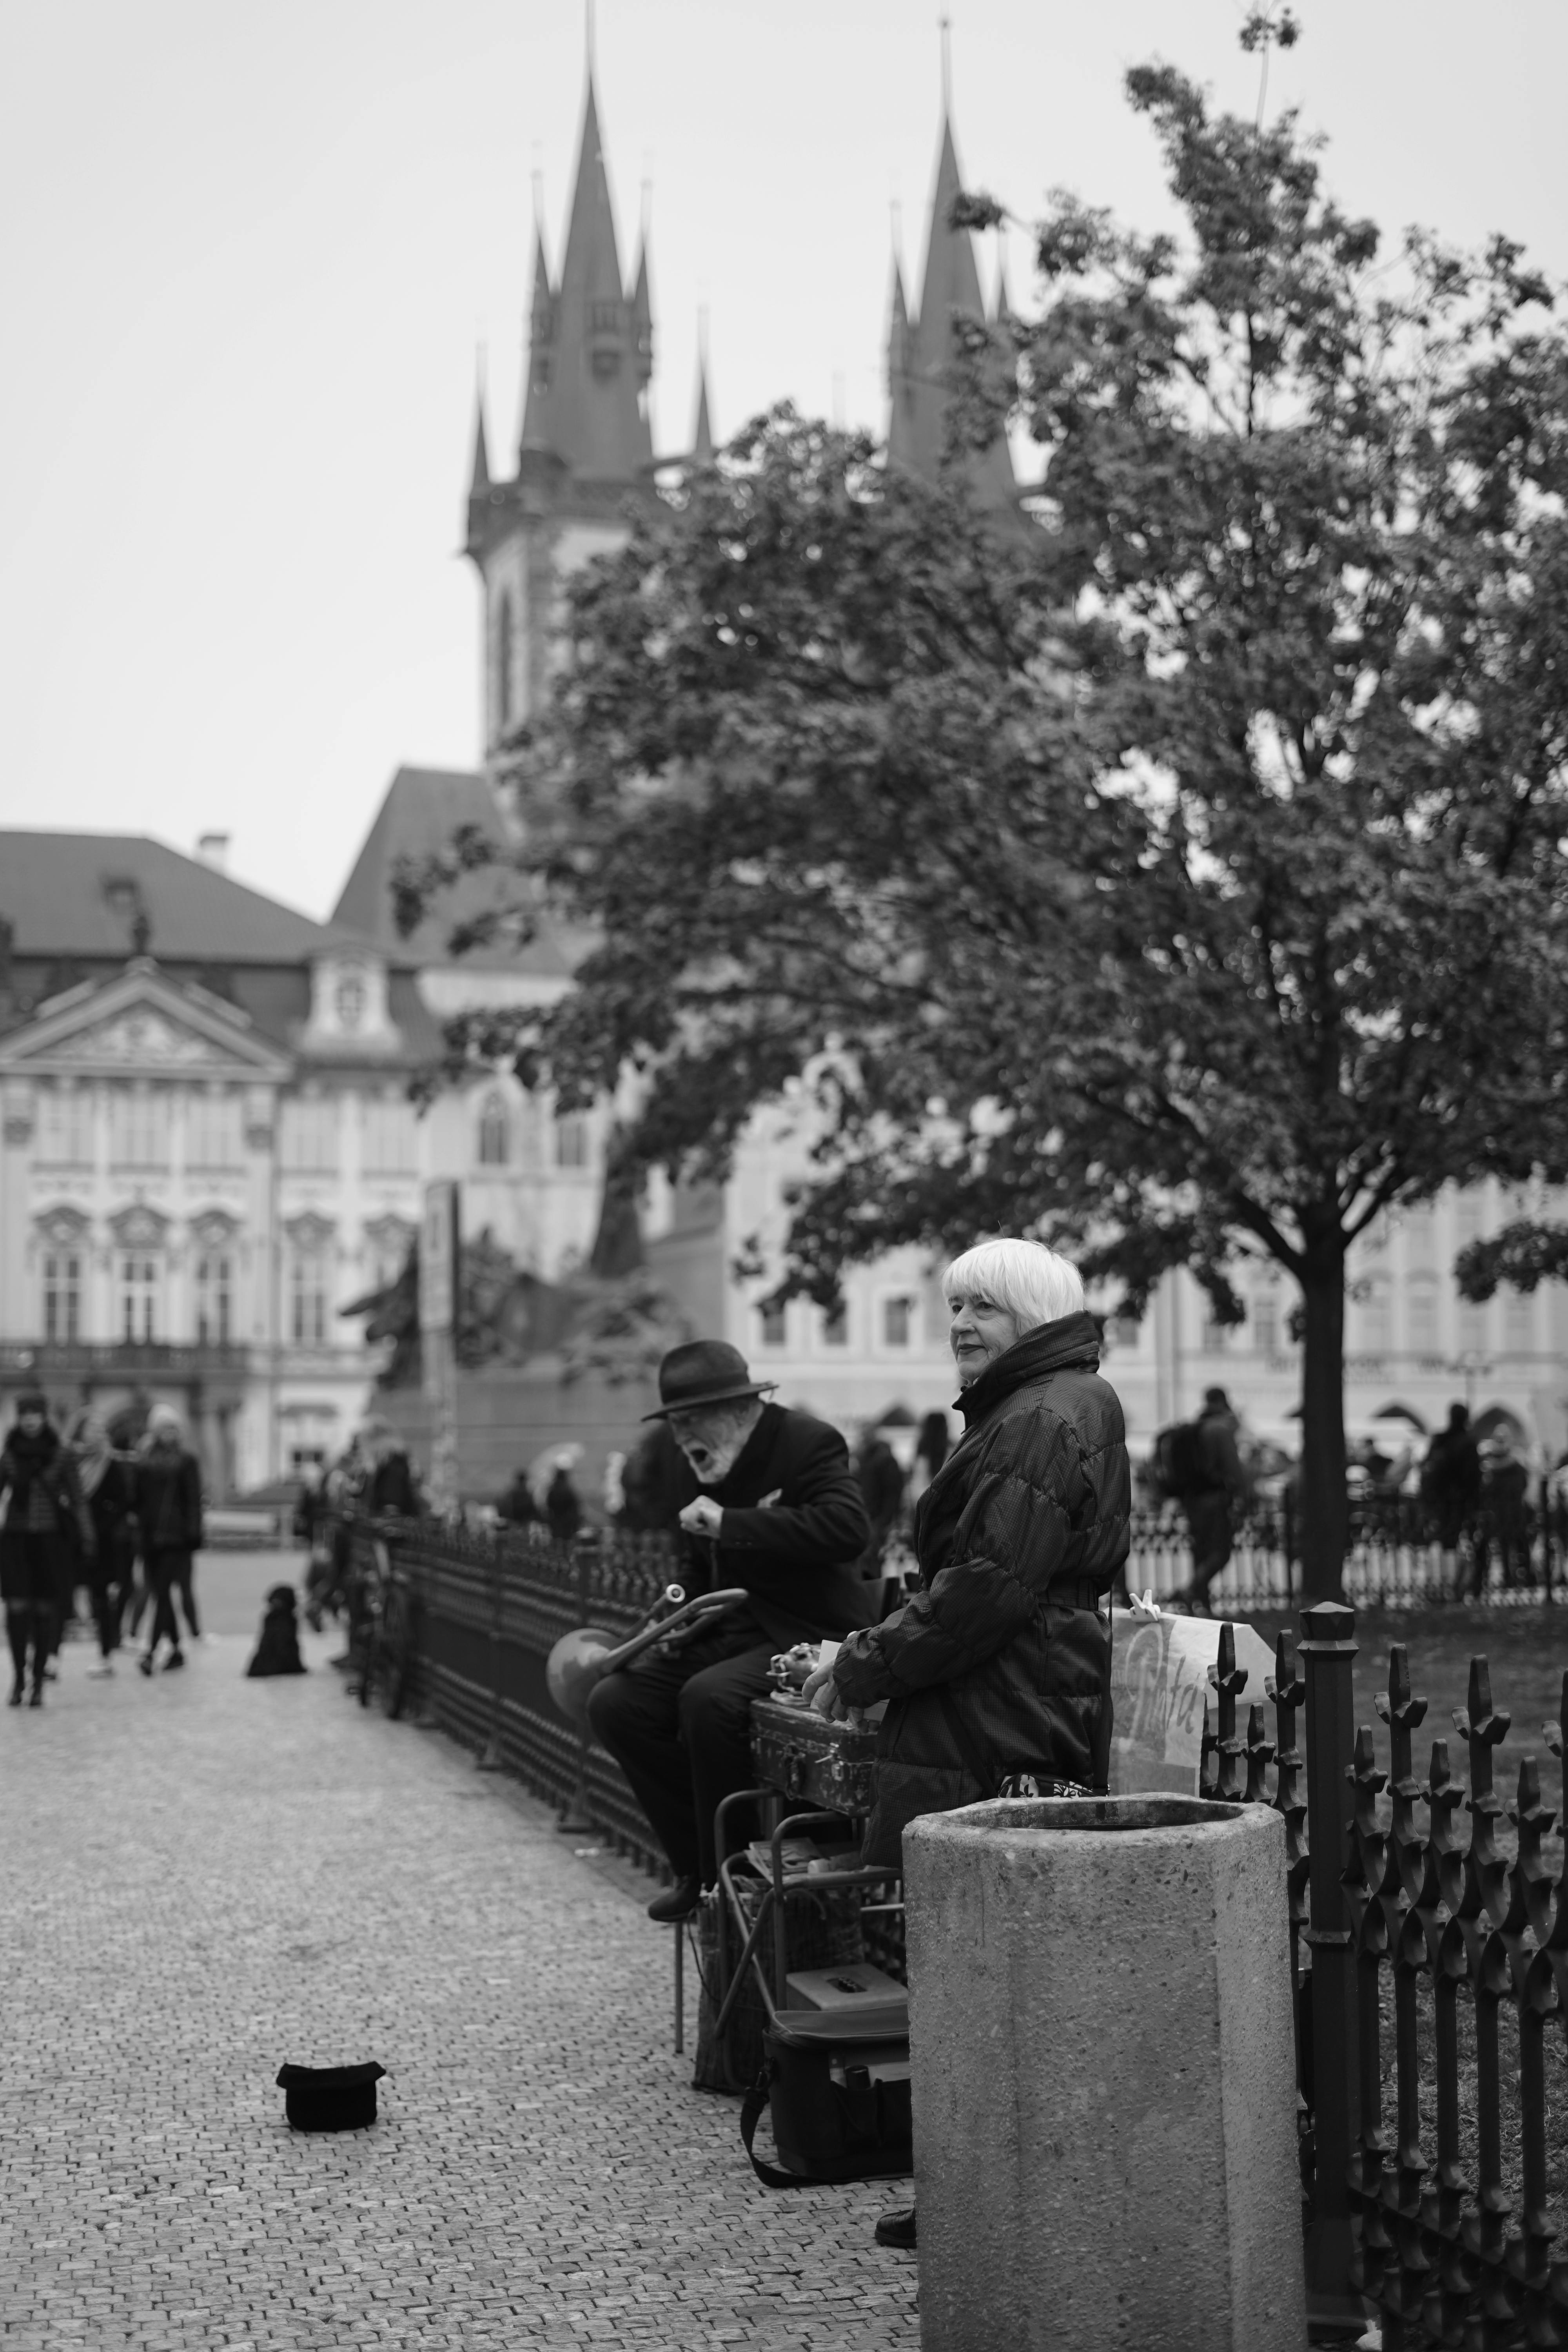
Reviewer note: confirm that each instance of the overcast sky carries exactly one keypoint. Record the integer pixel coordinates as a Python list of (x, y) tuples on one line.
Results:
[(247, 254)]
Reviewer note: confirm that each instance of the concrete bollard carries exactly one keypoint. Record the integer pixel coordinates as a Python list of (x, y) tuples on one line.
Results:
[(1104, 2077)]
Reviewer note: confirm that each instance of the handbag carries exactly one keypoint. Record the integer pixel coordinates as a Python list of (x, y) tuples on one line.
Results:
[(836, 2088)]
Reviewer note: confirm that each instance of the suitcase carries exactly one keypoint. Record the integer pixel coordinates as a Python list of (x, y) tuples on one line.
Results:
[(820, 1766)]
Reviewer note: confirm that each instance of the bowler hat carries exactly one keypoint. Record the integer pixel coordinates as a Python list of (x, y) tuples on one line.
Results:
[(330, 2098), (703, 1371)]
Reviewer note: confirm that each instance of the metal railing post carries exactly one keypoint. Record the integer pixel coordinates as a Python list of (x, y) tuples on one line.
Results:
[(1328, 1652), (573, 1820), (1546, 1535), (490, 1759)]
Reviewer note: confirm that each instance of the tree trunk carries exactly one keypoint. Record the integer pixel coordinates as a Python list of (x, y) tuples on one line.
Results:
[(1324, 1514)]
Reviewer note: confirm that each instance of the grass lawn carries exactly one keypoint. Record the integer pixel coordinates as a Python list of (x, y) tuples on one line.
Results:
[(1525, 1649)]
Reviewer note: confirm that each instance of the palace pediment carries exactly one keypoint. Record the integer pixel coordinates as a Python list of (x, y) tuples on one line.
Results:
[(141, 1024)]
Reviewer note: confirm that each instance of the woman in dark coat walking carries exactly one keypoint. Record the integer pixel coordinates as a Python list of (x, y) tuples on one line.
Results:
[(996, 1671), (108, 1490), (42, 1514), (169, 1513)]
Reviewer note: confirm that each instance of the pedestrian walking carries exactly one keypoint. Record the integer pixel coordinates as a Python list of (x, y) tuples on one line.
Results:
[(881, 1484), (1506, 1514), (563, 1503), (108, 1486), (169, 1509), (1451, 1488), (42, 1514), (1215, 1487), (996, 1671), (392, 1490), (932, 1447)]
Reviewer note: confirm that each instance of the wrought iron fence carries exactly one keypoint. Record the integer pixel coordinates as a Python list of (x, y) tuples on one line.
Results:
[(1395, 1559), (1431, 1971), (485, 1611)]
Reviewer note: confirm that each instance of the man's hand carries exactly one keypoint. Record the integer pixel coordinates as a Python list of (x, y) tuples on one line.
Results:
[(703, 1518), (820, 1691)]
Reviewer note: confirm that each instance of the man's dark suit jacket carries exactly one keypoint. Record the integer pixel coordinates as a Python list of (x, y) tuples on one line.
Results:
[(794, 1528)]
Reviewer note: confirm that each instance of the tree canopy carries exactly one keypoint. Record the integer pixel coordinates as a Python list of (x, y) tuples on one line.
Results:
[(1174, 869)]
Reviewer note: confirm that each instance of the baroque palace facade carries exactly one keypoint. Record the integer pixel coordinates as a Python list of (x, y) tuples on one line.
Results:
[(207, 1144)]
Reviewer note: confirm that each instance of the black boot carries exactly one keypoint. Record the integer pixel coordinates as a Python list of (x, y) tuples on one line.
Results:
[(897, 2228), (677, 1901)]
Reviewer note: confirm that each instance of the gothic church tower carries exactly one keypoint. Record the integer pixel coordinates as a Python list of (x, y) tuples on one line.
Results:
[(585, 446), (921, 348)]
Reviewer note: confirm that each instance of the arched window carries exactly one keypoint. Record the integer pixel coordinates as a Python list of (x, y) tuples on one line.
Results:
[(495, 1131), (506, 679), (215, 1298)]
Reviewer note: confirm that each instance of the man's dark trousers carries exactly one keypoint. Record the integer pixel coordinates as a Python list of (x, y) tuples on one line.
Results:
[(1208, 1522), (680, 1729)]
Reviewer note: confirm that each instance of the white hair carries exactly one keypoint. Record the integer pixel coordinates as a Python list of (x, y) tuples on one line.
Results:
[(1031, 1282)]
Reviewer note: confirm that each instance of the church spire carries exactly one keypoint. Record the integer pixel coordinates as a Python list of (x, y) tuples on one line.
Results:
[(479, 470), (702, 431), (593, 420), (479, 478), (542, 317), (642, 340), (921, 349)]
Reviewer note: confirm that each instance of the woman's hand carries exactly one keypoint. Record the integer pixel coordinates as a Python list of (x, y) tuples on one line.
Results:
[(821, 1692)]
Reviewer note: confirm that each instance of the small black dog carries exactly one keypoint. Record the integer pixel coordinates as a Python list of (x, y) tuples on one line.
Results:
[(277, 1651)]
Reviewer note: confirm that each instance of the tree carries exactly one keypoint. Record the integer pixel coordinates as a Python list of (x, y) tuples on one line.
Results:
[(1179, 873), (1526, 1253)]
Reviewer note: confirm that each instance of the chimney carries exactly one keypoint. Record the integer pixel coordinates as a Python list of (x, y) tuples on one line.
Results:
[(212, 849)]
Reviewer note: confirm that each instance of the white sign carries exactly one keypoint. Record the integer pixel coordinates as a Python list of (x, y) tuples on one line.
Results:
[(438, 1258), (1158, 1688)]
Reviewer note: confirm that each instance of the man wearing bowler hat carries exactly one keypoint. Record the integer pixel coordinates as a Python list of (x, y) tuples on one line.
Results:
[(766, 1501)]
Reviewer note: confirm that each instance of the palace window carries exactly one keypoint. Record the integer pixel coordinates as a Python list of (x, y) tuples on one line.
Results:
[(835, 1327), (391, 1139), (308, 1138), (1421, 1315), (139, 1127), (898, 1315), (307, 1297), (139, 1303), (774, 1322), (1518, 1322), (215, 1135), (215, 1299), (572, 1141), (1376, 1316), (495, 1131), (1474, 1324), (62, 1294), (65, 1127)]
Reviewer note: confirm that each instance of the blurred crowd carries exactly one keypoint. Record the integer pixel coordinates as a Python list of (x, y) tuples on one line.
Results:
[(113, 1510)]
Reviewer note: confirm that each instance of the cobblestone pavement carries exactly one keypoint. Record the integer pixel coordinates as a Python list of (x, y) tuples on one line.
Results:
[(206, 1876)]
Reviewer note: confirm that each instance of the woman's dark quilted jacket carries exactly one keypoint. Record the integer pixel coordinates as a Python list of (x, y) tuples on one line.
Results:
[(1024, 1524)]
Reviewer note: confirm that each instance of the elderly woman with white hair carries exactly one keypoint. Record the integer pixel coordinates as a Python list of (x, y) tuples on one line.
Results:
[(997, 1671)]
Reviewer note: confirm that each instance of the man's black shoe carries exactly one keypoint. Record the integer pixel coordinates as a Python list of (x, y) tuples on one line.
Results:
[(897, 2228), (174, 1658), (677, 1901)]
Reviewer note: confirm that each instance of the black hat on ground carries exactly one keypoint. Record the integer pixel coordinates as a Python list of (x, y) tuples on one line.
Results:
[(703, 1371), (330, 2098)]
